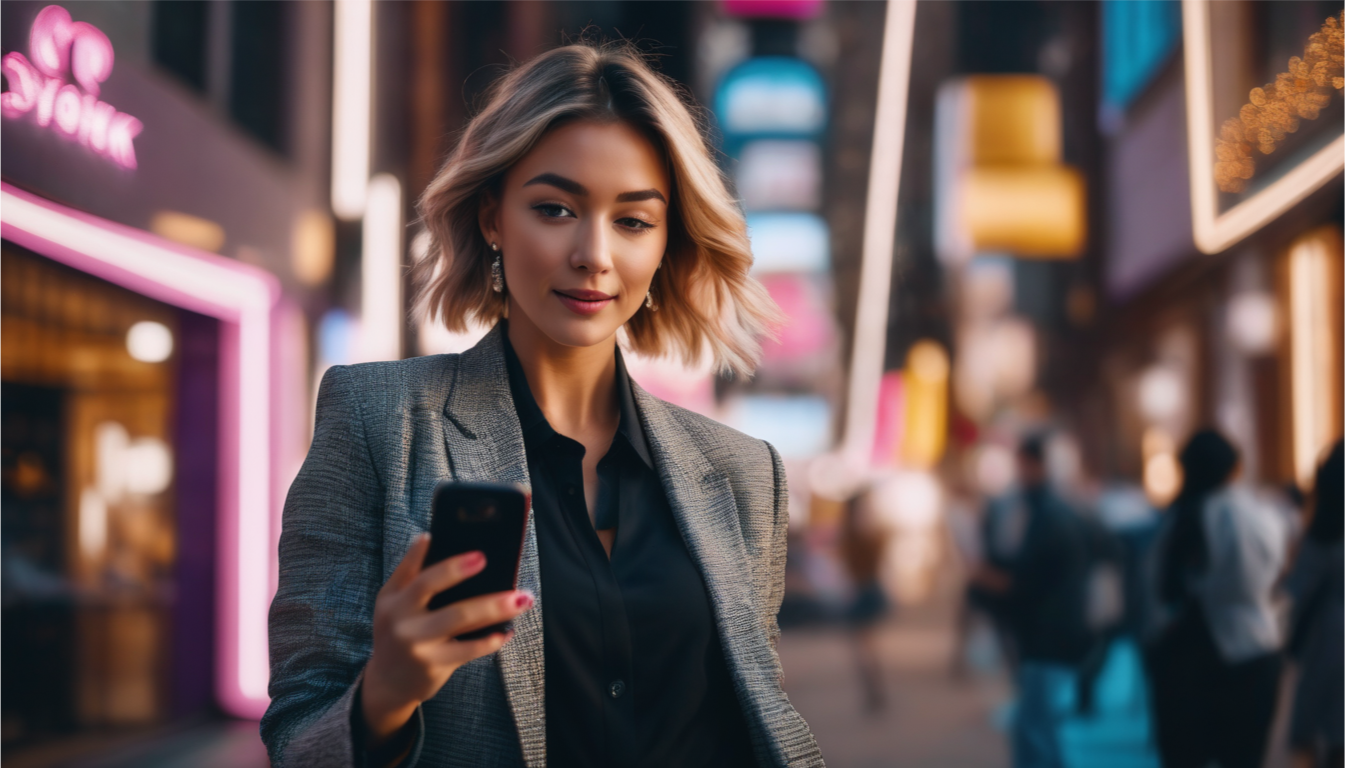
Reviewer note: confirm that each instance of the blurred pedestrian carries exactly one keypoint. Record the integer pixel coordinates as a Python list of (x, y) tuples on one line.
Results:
[(1215, 661), (986, 541), (964, 522), (1317, 629), (1105, 604), (1045, 589), (862, 545)]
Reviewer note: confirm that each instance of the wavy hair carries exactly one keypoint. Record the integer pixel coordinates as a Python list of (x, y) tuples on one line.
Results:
[(705, 297)]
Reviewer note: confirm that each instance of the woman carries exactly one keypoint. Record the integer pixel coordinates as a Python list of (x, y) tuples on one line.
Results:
[(1317, 635), (1215, 665), (581, 201)]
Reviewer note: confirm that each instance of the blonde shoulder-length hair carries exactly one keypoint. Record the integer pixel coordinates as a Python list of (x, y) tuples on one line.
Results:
[(703, 293)]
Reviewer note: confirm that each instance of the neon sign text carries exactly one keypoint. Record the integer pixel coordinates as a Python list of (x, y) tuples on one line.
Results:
[(61, 50)]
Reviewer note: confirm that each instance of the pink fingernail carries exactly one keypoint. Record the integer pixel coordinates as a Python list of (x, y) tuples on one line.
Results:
[(473, 560), (523, 600)]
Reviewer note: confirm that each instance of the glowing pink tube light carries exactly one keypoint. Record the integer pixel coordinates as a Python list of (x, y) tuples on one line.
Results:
[(62, 49), (244, 299)]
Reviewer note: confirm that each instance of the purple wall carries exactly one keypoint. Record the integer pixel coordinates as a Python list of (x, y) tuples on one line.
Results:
[(1149, 191), (196, 439)]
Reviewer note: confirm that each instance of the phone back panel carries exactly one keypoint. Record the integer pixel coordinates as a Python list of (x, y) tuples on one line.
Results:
[(486, 517)]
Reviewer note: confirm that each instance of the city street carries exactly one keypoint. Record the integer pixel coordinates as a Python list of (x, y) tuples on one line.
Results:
[(993, 350)]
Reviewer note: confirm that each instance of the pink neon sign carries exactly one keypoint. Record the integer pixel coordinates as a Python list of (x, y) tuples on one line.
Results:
[(62, 50)]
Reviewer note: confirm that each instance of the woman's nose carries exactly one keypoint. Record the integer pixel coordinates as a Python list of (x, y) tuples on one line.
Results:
[(592, 253)]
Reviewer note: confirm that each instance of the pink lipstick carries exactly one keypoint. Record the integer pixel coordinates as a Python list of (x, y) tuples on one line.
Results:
[(584, 302)]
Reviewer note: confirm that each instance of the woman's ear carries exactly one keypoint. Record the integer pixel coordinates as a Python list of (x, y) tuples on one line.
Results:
[(488, 217)]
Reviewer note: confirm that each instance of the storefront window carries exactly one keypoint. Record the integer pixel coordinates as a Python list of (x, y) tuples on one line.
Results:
[(1264, 91), (179, 38), (99, 607), (1276, 90)]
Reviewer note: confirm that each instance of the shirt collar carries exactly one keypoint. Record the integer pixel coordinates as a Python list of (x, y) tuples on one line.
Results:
[(629, 426), (537, 429)]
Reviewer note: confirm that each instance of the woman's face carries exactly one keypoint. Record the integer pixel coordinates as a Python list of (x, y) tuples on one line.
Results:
[(582, 224)]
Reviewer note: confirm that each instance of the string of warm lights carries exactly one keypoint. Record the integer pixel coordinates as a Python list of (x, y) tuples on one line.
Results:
[(1274, 110)]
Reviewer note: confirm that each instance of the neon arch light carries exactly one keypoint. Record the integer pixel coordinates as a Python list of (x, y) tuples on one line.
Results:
[(61, 50), (244, 299)]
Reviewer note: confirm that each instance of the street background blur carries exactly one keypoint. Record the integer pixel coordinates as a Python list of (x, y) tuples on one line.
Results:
[(1099, 222)]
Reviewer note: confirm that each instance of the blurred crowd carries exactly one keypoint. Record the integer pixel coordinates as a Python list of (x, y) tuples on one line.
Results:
[(1223, 607), (1223, 595)]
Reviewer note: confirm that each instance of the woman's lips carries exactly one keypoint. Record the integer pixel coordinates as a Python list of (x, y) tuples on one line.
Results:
[(583, 302)]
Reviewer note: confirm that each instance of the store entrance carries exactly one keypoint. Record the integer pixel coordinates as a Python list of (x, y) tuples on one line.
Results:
[(108, 403), (39, 609)]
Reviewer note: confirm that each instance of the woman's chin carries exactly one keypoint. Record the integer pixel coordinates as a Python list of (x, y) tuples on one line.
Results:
[(580, 331)]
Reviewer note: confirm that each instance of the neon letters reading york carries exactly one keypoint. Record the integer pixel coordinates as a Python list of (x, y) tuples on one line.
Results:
[(63, 50)]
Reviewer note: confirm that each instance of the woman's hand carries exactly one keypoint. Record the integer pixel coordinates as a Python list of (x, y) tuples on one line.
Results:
[(414, 651)]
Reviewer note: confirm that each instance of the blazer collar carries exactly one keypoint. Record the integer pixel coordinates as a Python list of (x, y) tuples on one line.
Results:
[(703, 504), (485, 444)]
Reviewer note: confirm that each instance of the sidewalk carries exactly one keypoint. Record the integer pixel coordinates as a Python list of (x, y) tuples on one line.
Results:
[(210, 744), (935, 721), (931, 720)]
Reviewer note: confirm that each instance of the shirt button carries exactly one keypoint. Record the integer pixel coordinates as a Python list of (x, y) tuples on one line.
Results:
[(570, 490), (616, 689)]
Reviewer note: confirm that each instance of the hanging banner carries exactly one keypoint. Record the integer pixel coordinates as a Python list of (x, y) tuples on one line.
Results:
[(772, 9)]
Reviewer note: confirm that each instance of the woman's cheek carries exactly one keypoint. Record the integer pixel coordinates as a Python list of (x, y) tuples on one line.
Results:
[(542, 254)]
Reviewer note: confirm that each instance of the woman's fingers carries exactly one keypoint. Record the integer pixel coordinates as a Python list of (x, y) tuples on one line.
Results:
[(409, 567), (459, 652), (467, 615), (444, 574)]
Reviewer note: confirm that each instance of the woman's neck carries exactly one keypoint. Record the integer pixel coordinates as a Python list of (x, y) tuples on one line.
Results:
[(574, 386)]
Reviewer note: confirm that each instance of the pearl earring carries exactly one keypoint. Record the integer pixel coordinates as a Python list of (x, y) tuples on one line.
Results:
[(649, 301)]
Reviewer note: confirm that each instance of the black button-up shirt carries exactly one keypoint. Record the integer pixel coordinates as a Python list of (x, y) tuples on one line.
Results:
[(635, 674)]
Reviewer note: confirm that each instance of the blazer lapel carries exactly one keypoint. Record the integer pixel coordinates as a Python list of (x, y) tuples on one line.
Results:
[(485, 444), (707, 516)]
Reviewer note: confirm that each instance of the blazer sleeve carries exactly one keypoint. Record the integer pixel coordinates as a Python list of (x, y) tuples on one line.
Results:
[(321, 620), (779, 549)]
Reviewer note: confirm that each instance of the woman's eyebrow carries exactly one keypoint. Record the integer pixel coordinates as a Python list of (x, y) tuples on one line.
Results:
[(559, 182), (575, 188), (644, 194)]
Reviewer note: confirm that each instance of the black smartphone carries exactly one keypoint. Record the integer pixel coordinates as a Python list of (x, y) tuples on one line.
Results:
[(485, 517)]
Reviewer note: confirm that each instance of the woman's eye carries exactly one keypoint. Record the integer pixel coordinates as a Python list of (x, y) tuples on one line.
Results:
[(633, 223), (553, 211)]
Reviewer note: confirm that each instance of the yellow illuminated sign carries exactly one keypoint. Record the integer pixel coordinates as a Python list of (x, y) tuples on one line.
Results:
[(1027, 211), (1002, 187)]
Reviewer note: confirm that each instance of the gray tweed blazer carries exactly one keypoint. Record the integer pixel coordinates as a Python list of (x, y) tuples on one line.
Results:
[(386, 433)]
